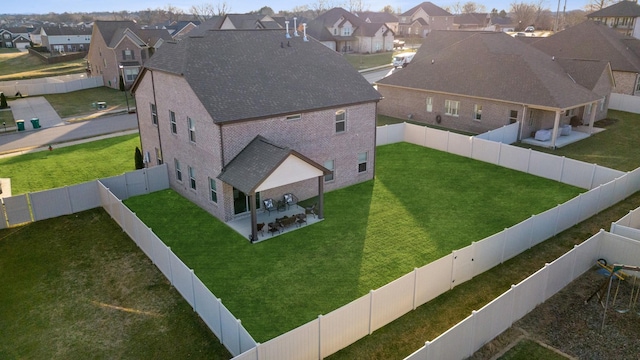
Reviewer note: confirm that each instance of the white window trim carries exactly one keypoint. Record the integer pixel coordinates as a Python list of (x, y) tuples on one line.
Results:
[(333, 171), (178, 169), (344, 121), (213, 190), (191, 125), (365, 162), (429, 102), (192, 178), (448, 108), (477, 112), (173, 125)]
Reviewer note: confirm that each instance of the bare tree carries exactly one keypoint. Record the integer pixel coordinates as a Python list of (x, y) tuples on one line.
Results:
[(173, 13), (319, 6), (523, 14), (222, 8), (388, 9), (356, 5), (472, 7), (595, 5), (574, 17), (456, 8), (202, 12)]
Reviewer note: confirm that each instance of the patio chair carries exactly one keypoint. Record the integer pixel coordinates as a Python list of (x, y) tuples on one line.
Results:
[(311, 210), (301, 219), (269, 205), (260, 228), (289, 199), (274, 227), (282, 206)]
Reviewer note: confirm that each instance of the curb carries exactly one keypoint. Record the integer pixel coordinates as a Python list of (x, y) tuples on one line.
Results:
[(376, 68)]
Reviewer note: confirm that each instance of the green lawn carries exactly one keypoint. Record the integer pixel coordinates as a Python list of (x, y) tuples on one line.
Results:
[(616, 147), (22, 65), (76, 287), (70, 165), (422, 205), (79, 102), (366, 61)]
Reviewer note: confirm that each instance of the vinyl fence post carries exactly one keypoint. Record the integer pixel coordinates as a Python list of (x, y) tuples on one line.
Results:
[(320, 337), (504, 245), (370, 310), (593, 175), (415, 286), (193, 290)]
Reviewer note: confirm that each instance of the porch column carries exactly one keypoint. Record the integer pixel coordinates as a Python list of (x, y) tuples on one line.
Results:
[(321, 197), (556, 125), (522, 122), (254, 217), (592, 116)]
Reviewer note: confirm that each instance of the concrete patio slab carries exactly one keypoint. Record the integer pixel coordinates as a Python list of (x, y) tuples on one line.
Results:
[(35, 107)]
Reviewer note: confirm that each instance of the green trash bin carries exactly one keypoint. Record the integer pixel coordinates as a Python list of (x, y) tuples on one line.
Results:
[(20, 125), (36, 123)]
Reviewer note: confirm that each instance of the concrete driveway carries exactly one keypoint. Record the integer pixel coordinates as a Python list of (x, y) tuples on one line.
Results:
[(35, 107)]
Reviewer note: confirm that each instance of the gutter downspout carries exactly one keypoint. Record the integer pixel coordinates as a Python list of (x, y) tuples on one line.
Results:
[(153, 87)]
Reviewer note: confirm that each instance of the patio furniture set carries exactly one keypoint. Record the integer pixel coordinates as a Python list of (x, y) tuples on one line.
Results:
[(282, 223)]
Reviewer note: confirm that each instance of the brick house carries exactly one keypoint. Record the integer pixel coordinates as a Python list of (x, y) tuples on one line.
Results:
[(621, 16), (424, 18), (236, 124), (590, 40), (121, 48), (342, 31), (380, 18), (503, 82)]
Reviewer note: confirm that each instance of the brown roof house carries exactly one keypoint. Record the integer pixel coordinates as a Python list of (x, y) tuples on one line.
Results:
[(342, 31), (120, 48), (590, 40), (379, 17), (503, 82), (621, 16), (423, 18), (240, 124)]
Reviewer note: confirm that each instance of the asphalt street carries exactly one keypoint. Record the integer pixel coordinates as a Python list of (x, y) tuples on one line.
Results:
[(31, 139)]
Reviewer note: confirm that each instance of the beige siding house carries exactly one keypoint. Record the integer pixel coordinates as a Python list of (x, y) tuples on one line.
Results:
[(237, 124), (504, 82), (621, 16)]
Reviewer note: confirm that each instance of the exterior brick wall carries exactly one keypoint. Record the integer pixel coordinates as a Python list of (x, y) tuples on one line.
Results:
[(625, 82), (313, 135)]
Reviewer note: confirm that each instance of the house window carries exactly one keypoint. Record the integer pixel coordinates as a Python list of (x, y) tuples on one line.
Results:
[(329, 164), (362, 162), (128, 54), (335, 31), (172, 122), (451, 107), (341, 121), (105, 62), (530, 117), (158, 156), (602, 103), (294, 117), (130, 74), (154, 114), (192, 129), (143, 54), (213, 191), (192, 177), (346, 31), (178, 170), (477, 112), (429, 104), (587, 109), (513, 116)]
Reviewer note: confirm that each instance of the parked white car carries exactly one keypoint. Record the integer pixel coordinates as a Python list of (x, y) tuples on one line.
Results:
[(402, 60)]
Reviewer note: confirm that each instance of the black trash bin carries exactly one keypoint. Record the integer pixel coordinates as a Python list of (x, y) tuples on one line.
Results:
[(20, 125), (35, 122)]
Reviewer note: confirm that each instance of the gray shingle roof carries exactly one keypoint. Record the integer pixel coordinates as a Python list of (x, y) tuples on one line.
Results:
[(377, 17), (590, 40), (51, 31), (331, 16), (584, 72), (622, 8), (249, 74), (430, 8), (112, 32), (256, 162), (501, 68)]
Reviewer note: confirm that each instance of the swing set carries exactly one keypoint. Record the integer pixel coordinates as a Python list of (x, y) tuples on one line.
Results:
[(617, 272)]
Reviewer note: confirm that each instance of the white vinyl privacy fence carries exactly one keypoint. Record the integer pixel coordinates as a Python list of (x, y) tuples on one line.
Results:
[(623, 102), (469, 335), (51, 85), (109, 193), (628, 226), (507, 134), (331, 332)]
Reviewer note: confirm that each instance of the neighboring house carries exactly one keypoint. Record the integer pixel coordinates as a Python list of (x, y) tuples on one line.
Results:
[(472, 21), (345, 32), (35, 37), (65, 39), (622, 16), (213, 23), (237, 124), (503, 82), (179, 29), (6, 38), (120, 48), (379, 17), (504, 24), (248, 22), (423, 18), (591, 40), (21, 42)]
